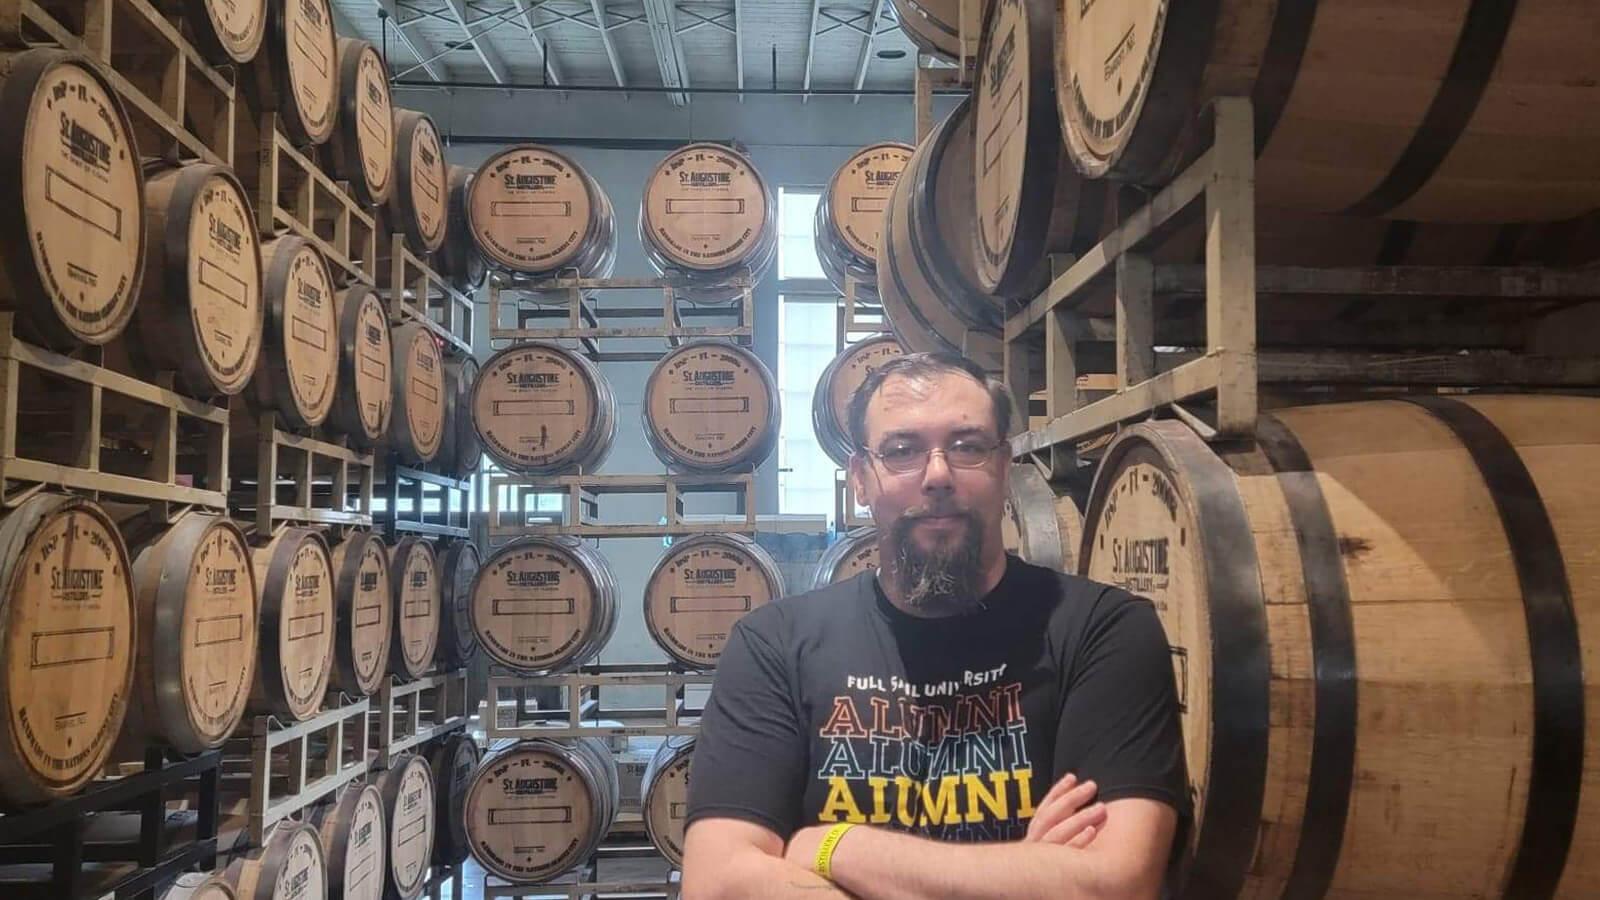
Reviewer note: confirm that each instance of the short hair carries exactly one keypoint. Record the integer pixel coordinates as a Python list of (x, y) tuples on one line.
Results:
[(926, 365)]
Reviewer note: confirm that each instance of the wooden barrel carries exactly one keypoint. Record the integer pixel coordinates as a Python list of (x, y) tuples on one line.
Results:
[(1029, 201), (664, 796), (847, 557), (540, 409), (538, 808), (830, 402), (199, 886), (289, 866), (361, 151), (459, 259), (362, 409), (295, 577), (196, 593), (418, 206), (1466, 113), (416, 425), (363, 603), (700, 587), (70, 628), (1039, 526), (711, 407), (849, 225), (544, 604), (459, 562), (415, 582), (408, 792), (73, 245), (534, 211), (462, 451), (203, 267), (1353, 603), (934, 26), (298, 76), (707, 218), (454, 761), (927, 273), (299, 370), (354, 833), (226, 32)]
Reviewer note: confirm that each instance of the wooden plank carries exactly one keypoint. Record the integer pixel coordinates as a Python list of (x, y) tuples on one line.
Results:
[(684, 331), (21, 469), (1455, 282), (1194, 377), (1489, 369), (1097, 261), (1136, 321), (1231, 265)]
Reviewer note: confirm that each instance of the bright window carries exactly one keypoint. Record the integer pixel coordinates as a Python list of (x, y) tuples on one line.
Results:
[(797, 226), (805, 346)]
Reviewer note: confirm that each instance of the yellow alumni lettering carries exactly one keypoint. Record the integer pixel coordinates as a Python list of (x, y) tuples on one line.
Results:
[(995, 800), (840, 799)]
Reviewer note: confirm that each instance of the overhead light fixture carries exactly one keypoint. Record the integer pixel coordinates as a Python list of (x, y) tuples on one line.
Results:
[(891, 54)]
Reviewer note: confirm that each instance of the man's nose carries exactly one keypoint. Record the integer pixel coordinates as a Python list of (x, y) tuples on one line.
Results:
[(936, 477)]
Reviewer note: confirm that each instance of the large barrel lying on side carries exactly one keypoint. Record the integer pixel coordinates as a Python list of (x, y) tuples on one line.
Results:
[(408, 796), (416, 424), (459, 562), (707, 218), (1039, 526), (1476, 113), (934, 26), (454, 761), (544, 604), (72, 241), (535, 212), (298, 375), (711, 407), (927, 273), (199, 886), (289, 866), (364, 611), (459, 258), (700, 587), (296, 76), (295, 577), (361, 151), (830, 402), (664, 794), (540, 409), (530, 836), (200, 312), (354, 834), (849, 224), (414, 576), (70, 629), (418, 207), (197, 633), (225, 33), (847, 557), (1352, 602), (364, 404)]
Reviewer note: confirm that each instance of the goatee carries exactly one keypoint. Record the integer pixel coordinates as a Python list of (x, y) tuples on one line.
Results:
[(943, 581)]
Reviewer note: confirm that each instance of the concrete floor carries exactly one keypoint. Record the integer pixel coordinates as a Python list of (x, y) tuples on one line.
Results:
[(611, 870)]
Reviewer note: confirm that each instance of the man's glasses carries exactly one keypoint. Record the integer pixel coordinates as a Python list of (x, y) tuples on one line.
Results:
[(904, 458)]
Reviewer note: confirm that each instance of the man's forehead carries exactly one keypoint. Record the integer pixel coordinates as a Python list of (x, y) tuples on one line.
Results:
[(942, 401)]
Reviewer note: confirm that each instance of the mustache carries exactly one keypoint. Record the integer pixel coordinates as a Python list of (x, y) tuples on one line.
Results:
[(936, 510)]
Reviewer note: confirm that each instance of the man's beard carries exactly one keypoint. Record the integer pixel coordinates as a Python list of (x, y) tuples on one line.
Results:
[(943, 581)]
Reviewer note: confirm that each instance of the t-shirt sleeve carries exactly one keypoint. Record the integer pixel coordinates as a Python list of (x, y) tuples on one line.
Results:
[(1119, 720), (750, 756)]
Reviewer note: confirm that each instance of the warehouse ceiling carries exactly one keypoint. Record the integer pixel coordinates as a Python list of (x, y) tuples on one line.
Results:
[(653, 44)]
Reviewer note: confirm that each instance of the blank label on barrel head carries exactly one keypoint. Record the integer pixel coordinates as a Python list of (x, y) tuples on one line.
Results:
[(225, 283), (530, 815), (532, 605), (218, 630), (711, 604), (70, 623), (530, 209), (80, 173), (705, 207)]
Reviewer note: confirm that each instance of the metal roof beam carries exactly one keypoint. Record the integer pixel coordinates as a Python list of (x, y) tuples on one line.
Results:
[(811, 47), (866, 47), (599, 7), (738, 46), (389, 13), (486, 54), (547, 62), (662, 15)]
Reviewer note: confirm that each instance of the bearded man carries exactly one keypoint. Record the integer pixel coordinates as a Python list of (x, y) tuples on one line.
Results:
[(958, 723)]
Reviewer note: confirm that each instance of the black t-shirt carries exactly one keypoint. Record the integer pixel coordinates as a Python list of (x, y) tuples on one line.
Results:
[(834, 706)]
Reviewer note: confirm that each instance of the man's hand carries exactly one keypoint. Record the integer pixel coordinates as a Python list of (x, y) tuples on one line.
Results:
[(1062, 816)]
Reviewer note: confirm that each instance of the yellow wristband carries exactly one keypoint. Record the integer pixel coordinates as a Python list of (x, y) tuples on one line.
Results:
[(824, 861)]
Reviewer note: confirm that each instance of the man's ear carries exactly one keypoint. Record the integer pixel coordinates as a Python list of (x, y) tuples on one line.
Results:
[(859, 482)]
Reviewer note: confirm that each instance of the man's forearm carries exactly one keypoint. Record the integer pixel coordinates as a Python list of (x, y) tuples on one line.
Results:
[(879, 864), (757, 876)]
